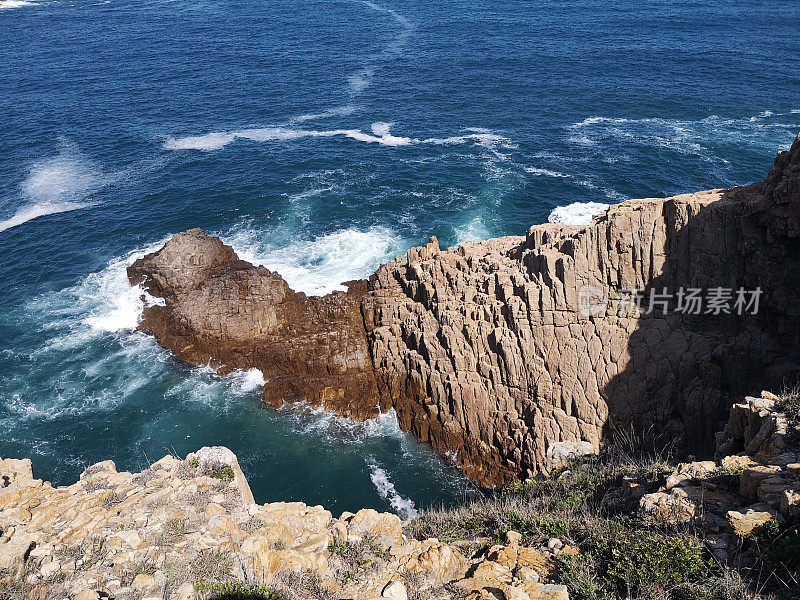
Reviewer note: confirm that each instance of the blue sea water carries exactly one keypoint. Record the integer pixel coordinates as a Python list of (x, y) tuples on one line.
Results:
[(320, 138)]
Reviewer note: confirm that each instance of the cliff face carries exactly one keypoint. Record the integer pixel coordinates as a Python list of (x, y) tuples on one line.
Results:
[(497, 351)]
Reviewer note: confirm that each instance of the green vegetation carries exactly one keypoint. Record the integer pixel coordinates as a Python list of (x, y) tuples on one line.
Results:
[(616, 554), (233, 591), (355, 558), (223, 472)]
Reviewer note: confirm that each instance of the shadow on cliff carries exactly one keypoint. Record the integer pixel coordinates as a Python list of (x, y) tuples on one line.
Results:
[(685, 371)]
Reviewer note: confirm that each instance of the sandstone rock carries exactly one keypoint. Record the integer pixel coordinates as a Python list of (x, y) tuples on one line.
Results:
[(752, 478), (745, 522), (668, 508), (513, 538), (395, 590), (488, 574), (211, 458), (437, 560), (559, 453), (544, 591), (184, 592), (14, 471), (143, 582), (386, 528), (790, 502), (514, 593)]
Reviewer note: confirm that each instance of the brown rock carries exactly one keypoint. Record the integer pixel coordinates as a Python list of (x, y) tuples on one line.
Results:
[(745, 522), (224, 311)]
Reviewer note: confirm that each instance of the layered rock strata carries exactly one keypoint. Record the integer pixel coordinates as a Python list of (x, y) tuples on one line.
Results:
[(495, 351)]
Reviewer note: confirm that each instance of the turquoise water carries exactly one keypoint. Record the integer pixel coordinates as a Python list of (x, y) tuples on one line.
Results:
[(321, 138)]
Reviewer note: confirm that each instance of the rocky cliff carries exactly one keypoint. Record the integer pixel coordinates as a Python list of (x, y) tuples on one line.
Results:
[(504, 351), (189, 529)]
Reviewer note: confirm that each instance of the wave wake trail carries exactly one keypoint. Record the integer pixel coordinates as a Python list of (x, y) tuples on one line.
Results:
[(380, 134), (404, 507), (59, 184)]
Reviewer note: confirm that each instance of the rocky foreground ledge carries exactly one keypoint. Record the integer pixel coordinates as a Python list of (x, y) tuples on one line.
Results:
[(487, 351), (189, 529)]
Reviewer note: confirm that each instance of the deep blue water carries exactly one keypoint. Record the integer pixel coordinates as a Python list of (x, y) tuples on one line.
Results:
[(321, 138)]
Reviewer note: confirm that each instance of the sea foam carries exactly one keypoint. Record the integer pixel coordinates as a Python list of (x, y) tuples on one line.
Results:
[(404, 507), (380, 134), (59, 184), (318, 265), (577, 213)]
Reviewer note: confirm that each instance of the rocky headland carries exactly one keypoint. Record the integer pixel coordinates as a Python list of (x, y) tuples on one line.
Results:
[(488, 351), (512, 354)]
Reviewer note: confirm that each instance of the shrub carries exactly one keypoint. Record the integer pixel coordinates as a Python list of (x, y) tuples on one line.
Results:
[(665, 561), (223, 472), (233, 591)]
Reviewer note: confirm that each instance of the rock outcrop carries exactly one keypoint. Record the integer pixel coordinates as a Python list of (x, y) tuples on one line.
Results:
[(754, 482), (227, 313), (186, 529), (496, 350)]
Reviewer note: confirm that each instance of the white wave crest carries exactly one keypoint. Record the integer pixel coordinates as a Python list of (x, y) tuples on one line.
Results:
[(404, 507), (118, 304), (319, 265), (545, 172), (577, 213), (5, 4), (56, 185), (380, 135)]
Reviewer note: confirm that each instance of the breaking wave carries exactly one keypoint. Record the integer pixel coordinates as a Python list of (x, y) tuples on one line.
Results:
[(15, 3), (318, 265)]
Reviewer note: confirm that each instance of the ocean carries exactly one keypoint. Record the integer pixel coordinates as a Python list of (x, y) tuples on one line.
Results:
[(321, 138)]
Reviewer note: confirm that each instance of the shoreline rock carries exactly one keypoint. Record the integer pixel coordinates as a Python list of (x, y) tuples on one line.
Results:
[(486, 351)]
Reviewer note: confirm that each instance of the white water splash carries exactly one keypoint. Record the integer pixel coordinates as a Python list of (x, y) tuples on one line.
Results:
[(245, 382), (474, 230), (577, 213), (318, 265)]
